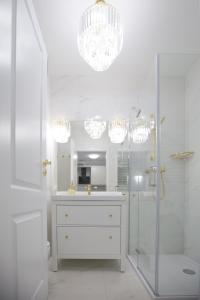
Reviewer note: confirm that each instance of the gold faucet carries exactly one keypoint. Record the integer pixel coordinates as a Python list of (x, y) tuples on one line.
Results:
[(89, 189)]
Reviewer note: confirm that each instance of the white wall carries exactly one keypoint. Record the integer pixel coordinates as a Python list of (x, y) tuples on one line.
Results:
[(180, 210), (172, 208), (192, 208), (98, 175), (63, 166)]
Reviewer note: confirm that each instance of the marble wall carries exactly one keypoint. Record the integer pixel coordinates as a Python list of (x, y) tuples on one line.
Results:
[(192, 174), (172, 205)]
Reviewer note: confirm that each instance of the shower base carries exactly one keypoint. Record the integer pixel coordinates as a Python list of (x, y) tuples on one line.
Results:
[(178, 275)]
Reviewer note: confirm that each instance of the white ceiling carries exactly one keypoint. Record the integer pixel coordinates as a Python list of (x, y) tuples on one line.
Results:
[(150, 26)]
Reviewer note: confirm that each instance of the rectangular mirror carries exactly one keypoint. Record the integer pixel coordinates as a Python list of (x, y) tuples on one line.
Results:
[(97, 162)]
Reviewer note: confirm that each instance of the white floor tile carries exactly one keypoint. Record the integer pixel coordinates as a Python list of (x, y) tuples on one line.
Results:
[(95, 280)]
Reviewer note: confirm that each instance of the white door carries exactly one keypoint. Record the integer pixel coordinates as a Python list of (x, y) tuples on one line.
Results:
[(23, 255)]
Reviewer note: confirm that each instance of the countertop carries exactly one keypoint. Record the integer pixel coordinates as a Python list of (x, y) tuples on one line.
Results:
[(94, 196)]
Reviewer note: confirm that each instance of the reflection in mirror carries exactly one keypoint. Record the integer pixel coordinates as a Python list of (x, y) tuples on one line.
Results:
[(91, 170), (84, 161), (122, 171)]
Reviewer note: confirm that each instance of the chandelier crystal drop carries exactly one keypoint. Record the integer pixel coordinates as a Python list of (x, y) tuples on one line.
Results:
[(95, 128), (100, 36), (140, 131), (117, 130), (61, 130)]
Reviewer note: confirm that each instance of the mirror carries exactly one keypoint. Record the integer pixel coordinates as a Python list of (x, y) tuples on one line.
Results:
[(108, 171)]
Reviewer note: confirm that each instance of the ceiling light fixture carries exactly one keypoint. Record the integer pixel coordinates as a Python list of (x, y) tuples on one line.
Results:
[(140, 131), (61, 130), (117, 130), (93, 156), (100, 37), (95, 128)]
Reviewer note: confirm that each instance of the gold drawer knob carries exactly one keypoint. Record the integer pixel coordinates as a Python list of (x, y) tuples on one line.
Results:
[(66, 215), (110, 237), (110, 215), (66, 237)]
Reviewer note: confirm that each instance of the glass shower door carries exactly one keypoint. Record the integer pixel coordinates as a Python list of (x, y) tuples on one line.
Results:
[(143, 185), (164, 180), (179, 216)]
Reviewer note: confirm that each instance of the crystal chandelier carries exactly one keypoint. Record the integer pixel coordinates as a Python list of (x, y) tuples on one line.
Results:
[(140, 131), (100, 35), (95, 128), (117, 130), (61, 130)]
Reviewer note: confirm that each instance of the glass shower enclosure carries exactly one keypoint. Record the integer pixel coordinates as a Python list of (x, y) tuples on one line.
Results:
[(164, 180)]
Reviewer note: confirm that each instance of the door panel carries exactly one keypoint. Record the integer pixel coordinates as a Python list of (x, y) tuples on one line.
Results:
[(23, 198), (28, 100), (29, 258)]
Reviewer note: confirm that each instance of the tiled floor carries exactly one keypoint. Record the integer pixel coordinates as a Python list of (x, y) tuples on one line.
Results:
[(94, 280), (172, 279)]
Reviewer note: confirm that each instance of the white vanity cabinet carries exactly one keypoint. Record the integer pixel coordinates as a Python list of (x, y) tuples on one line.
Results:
[(88, 229)]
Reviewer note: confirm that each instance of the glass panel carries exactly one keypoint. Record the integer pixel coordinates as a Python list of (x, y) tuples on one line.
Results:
[(143, 168), (179, 175), (133, 214)]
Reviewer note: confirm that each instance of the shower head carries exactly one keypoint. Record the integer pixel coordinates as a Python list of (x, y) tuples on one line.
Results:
[(138, 113)]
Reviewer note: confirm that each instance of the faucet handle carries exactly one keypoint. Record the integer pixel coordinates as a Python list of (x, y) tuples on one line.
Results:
[(88, 189)]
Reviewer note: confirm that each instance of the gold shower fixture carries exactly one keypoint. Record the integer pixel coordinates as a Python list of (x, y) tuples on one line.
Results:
[(182, 155), (154, 133), (152, 179)]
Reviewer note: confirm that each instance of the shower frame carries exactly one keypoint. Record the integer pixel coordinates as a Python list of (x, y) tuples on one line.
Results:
[(154, 292)]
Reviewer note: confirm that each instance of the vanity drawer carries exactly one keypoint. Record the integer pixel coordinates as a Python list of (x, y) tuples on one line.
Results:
[(88, 215), (88, 240)]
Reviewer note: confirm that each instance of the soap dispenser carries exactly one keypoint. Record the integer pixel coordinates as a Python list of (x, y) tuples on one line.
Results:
[(72, 188)]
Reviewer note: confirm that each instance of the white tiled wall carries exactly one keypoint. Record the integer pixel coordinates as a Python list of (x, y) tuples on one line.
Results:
[(172, 102), (192, 208), (180, 208)]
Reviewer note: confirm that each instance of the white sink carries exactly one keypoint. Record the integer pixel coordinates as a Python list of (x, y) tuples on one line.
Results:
[(83, 195)]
